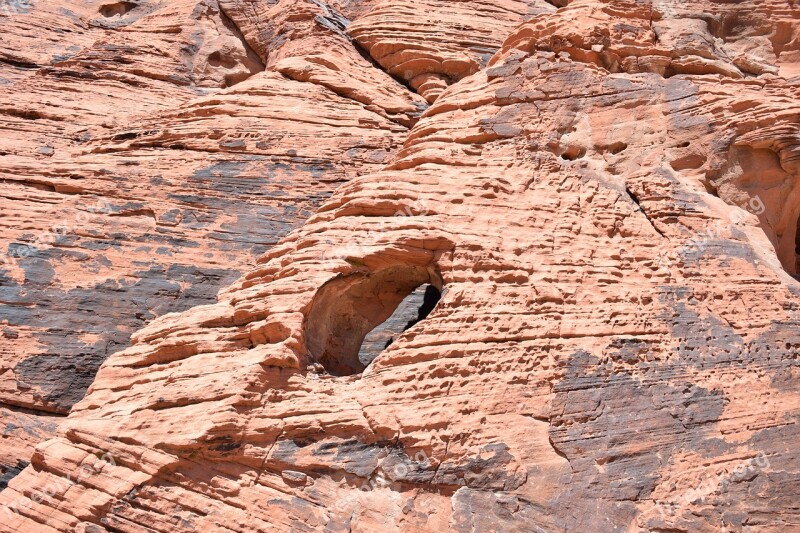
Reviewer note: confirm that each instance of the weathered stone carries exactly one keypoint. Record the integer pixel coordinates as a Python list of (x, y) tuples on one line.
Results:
[(608, 205)]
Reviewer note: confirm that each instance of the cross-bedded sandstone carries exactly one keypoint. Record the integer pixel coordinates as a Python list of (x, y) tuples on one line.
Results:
[(606, 209)]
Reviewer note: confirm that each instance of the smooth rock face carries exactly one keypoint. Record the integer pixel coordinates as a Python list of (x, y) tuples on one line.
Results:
[(608, 204)]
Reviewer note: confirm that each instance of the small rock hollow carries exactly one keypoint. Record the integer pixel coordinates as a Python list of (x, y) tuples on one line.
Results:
[(797, 250), (758, 183), (353, 318), (117, 9)]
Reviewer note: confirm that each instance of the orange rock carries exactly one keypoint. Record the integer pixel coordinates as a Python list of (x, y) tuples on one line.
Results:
[(608, 211)]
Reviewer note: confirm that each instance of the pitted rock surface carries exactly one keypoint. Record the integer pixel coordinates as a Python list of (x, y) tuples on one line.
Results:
[(608, 204)]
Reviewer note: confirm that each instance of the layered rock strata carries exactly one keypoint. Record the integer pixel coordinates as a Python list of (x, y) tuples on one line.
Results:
[(608, 210), (148, 156)]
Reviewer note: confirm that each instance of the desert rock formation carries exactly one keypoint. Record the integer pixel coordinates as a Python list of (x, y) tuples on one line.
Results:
[(603, 192)]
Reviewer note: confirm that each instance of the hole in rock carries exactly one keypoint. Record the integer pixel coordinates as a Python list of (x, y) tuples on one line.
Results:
[(353, 318), (690, 161), (617, 148), (217, 59), (413, 309), (797, 249), (572, 153), (756, 181), (117, 9)]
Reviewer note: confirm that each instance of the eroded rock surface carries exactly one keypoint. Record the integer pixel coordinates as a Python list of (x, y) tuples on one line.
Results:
[(608, 206), (148, 157)]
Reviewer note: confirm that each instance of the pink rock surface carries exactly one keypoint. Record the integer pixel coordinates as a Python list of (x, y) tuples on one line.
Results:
[(134, 185), (609, 209), (147, 159), (433, 43)]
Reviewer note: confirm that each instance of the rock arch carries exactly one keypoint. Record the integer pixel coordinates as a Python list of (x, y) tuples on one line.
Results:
[(349, 307)]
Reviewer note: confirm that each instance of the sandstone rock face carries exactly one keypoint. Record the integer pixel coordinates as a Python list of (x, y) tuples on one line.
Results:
[(608, 207), (432, 43), (147, 158)]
